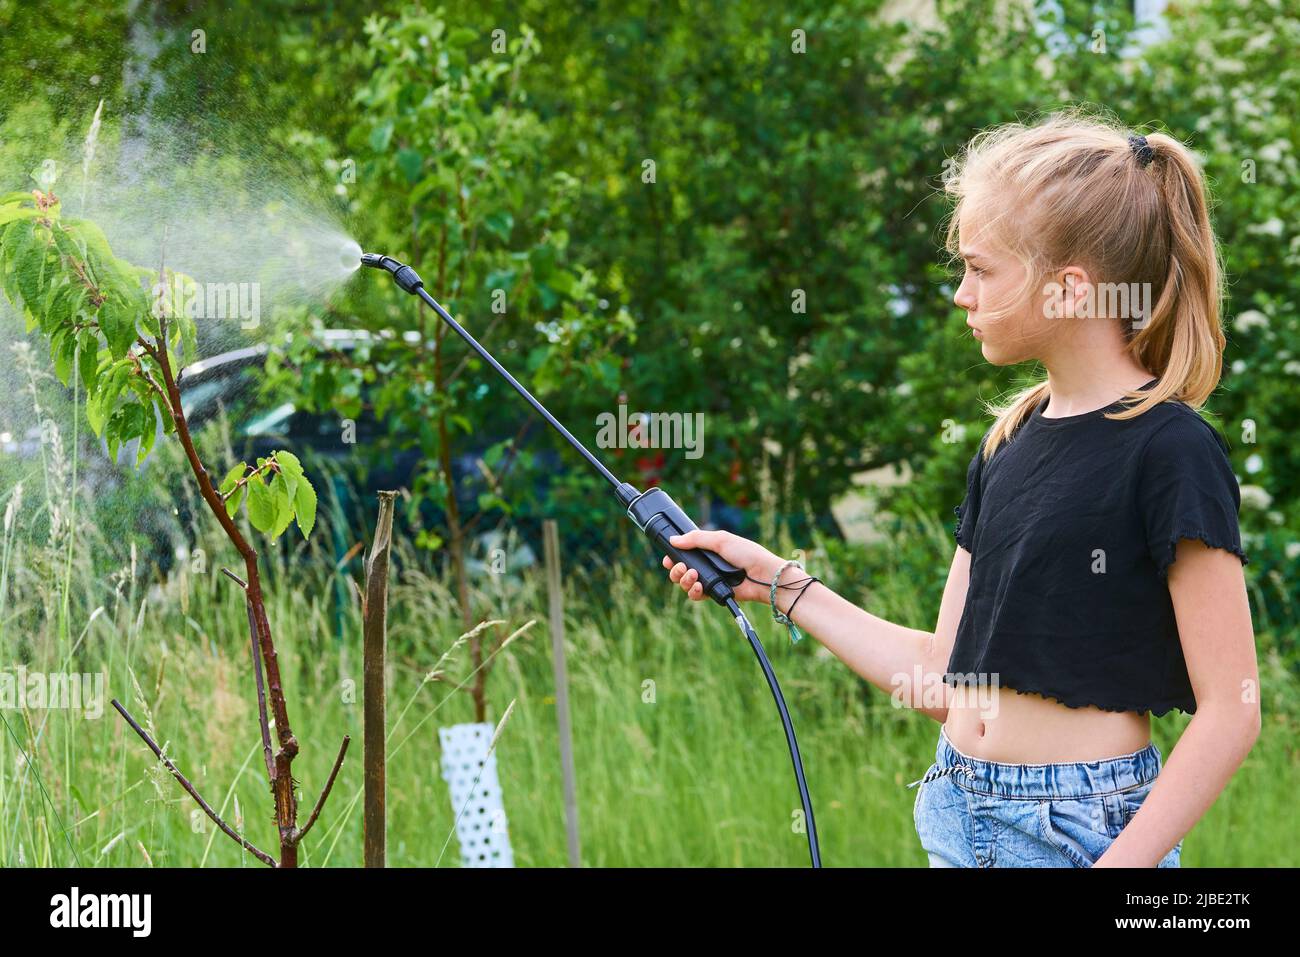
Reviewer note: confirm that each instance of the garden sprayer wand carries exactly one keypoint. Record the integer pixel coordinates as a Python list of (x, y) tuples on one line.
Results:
[(654, 513)]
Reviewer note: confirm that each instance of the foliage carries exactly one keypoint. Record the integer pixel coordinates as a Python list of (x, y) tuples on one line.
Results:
[(103, 327), (777, 170), (518, 175)]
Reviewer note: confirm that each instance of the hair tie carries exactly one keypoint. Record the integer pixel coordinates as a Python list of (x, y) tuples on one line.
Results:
[(1144, 152)]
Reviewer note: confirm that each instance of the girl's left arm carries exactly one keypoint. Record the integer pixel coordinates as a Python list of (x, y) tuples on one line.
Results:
[(1208, 589)]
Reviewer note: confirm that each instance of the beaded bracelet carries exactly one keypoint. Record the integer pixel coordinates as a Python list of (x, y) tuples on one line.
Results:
[(784, 619)]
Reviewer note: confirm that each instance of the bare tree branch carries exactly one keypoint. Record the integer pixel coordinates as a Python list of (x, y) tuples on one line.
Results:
[(324, 795), (207, 809), (255, 650)]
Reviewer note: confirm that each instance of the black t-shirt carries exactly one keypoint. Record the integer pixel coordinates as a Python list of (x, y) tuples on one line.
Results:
[(1072, 525)]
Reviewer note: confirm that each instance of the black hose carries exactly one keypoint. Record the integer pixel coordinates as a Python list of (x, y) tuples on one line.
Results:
[(814, 850)]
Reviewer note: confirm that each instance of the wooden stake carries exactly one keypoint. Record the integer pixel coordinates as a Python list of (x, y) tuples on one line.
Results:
[(555, 591), (374, 613)]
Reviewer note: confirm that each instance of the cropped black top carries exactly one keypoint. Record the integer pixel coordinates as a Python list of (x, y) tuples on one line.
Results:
[(1072, 525)]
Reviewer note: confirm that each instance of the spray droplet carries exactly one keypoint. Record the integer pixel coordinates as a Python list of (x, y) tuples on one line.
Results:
[(350, 256)]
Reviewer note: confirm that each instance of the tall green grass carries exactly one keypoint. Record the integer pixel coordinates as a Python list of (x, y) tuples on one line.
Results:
[(680, 757)]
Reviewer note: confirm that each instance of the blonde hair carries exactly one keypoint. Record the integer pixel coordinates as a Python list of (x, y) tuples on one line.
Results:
[(1073, 192)]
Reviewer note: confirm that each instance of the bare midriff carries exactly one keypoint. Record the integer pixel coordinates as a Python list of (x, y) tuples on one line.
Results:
[(999, 724)]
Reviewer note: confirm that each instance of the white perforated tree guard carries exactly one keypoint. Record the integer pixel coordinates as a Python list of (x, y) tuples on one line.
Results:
[(475, 795)]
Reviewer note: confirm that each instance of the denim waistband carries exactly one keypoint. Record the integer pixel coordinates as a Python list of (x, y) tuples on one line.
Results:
[(1071, 779)]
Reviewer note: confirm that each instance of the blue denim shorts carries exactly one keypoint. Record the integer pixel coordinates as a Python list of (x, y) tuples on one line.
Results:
[(974, 813)]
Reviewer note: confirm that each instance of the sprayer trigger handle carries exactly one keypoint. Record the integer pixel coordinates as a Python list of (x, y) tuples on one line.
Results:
[(661, 518), (703, 560)]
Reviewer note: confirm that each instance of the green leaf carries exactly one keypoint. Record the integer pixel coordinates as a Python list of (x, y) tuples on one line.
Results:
[(500, 224), (562, 281), (111, 273), (494, 452), (261, 504), (304, 506), (116, 382), (88, 360), (290, 468), (283, 505), (109, 386), (411, 163), (381, 135), (148, 433), (461, 37), (62, 347), (233, 476), (27, 261), (542, 259), (428, 539), (165, 413), (233, 503), (117, 430), (10, 213), (118, 326), (95, 414)]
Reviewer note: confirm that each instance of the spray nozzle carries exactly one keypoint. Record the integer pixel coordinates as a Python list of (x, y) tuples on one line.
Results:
[(405, 277)]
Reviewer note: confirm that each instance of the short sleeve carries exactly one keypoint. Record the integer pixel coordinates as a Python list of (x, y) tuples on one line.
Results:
[(968, 511), (1186, 489)]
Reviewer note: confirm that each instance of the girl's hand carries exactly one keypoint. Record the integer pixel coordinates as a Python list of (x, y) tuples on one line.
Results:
[(756, 560)]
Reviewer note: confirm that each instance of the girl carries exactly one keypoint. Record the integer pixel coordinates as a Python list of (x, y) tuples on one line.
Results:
[(1098, 575)]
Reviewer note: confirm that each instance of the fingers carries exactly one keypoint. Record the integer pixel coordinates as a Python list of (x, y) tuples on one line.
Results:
[(688, 578), (699, 538), (690, 583)]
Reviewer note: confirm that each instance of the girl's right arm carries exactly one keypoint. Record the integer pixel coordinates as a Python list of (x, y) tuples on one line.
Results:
[(904, 662)]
